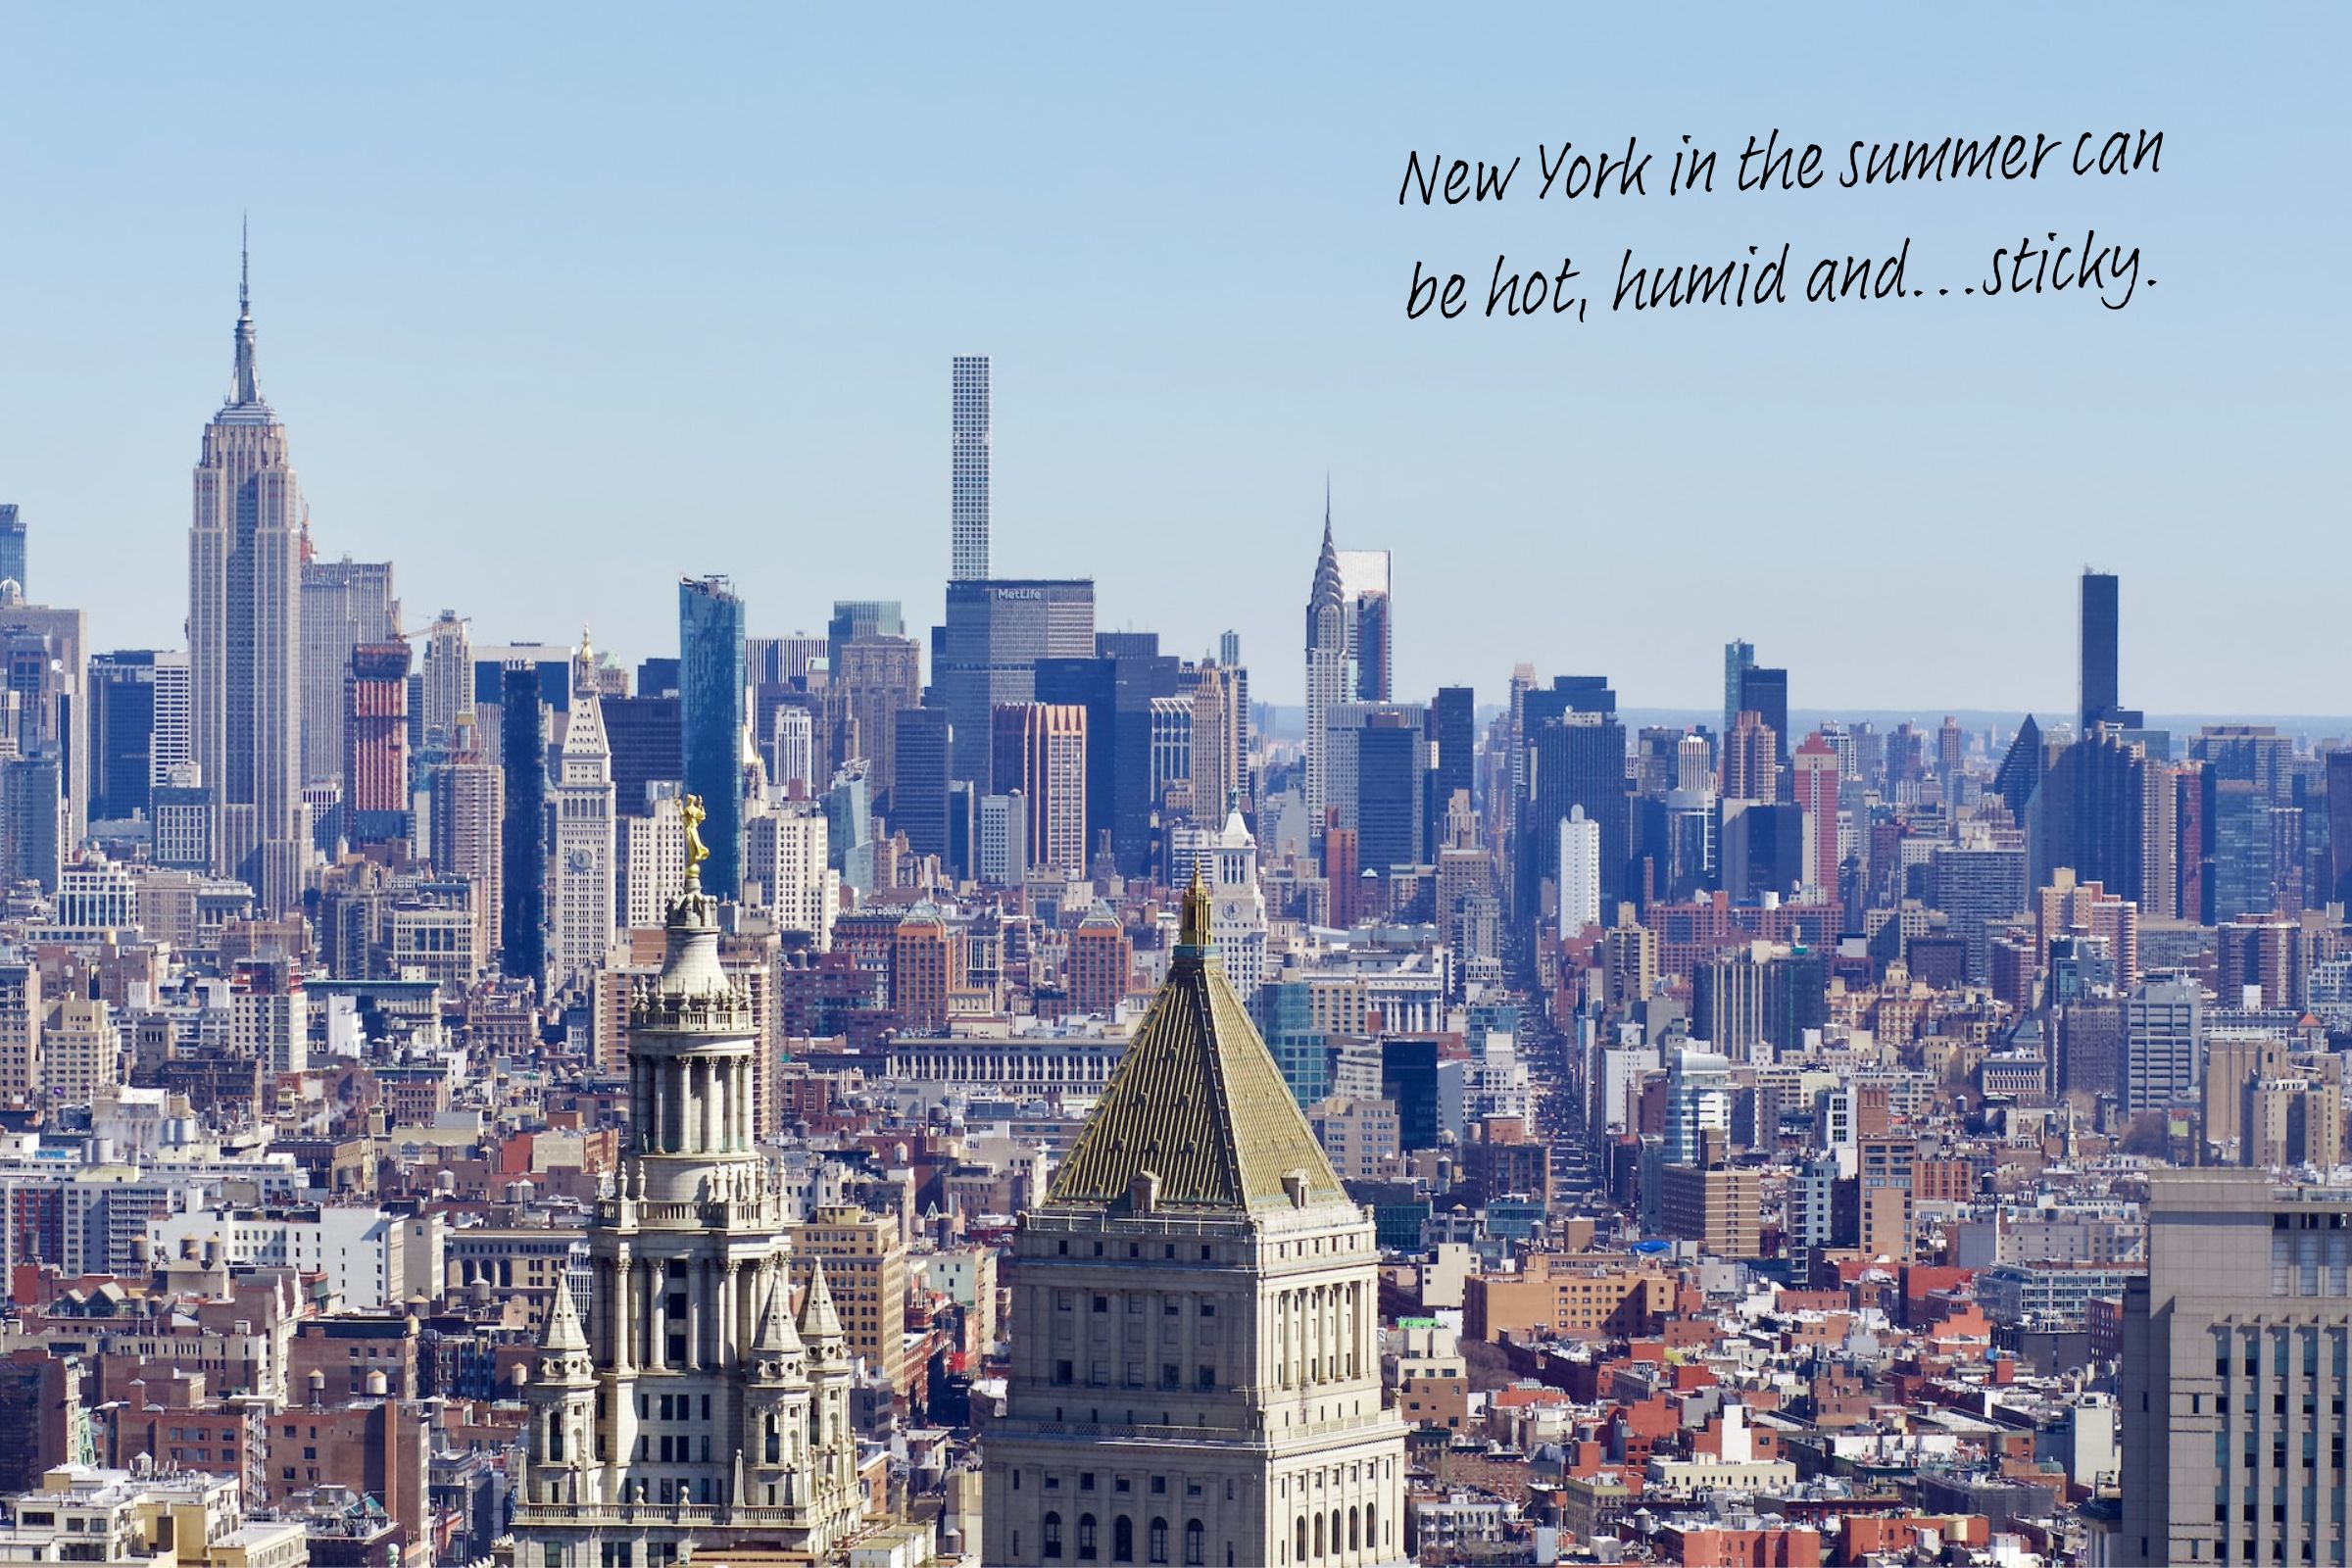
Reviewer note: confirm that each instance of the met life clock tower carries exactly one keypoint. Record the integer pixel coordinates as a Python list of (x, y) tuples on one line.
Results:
[(580, 906)]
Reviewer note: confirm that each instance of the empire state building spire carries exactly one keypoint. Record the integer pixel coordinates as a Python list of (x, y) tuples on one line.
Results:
[(244, 390)]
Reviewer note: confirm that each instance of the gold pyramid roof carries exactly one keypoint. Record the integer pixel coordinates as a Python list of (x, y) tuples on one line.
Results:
[(1198, 1103)]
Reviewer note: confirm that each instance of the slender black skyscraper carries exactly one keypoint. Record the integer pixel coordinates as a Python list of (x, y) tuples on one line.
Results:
[(522, 740), (2101, 693), (1765, 692)]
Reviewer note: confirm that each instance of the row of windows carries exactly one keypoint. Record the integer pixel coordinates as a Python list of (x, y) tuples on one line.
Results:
[(1122, 1541), (1171, 1376), (1169, 1305)]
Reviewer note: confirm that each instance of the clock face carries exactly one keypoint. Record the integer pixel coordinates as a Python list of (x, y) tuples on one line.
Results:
[(581, 860), (1233, 911)]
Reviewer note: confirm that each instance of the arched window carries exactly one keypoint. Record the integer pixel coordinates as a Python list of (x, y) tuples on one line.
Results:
[(1122, 1540), (1195, 1546), (775, 1440), (1335, 1532), (554, 1434), (1354, 1541), (1302, 1540), (1318, 1534), (1156, 1541), (1085, 1538), (1371, 1532), (1053, 1541)]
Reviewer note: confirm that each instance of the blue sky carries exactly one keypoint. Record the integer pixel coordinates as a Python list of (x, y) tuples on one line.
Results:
[(562, 302)]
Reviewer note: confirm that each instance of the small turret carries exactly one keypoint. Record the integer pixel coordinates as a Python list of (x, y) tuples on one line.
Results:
[(820, 1324), (777, 1350), (564, 1357)]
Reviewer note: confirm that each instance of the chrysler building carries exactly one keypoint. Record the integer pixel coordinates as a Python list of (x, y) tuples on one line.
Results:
[(694, 1411), (1195, 1325)]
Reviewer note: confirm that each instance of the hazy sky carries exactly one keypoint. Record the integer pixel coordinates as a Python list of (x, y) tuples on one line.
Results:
[(562, 302)]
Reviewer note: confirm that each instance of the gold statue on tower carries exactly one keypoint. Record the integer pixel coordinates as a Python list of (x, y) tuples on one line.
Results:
[(697, 852)]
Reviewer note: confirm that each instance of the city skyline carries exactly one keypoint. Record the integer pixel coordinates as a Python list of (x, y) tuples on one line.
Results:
[(728, 325), (968, 533)]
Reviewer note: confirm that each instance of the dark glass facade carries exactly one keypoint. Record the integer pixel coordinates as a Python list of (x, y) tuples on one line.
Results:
[(122, 688), (711, 722), (523, 868)]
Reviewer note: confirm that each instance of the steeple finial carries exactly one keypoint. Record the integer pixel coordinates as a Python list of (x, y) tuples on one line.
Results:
[(820, 1324), (244, 388), (563, 1332), (1193, 934)]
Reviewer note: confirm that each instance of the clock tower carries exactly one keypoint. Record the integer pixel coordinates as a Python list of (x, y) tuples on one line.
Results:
[(580, 900)]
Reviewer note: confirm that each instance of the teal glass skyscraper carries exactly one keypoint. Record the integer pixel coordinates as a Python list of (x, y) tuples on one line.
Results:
[(712, 719), (12, 546)]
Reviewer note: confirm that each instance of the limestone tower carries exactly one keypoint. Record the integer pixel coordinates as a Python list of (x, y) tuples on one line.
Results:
[(1195, 1328), (691, 1407)]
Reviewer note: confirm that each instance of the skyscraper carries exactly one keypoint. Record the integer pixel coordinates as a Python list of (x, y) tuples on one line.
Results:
[(345, 604), (375, 761), (448, 680), (522, 856), (122, 728), (712, 719), (785, 853), (1220, 768), (1328, 682), (1364, 585), (1580, 873), (2020, 773), (1577, 758), (245, 628), (2101, 613), (2091, 813), (46, 652), (1738, 658), (919, 787), (1121, 688), (1815, 780), (12, 544), (2164, 1044), (967, 487), (1195, 1197), (873, 677), (1391, 787), (468, 823), (792, 764), (1766, 694), (2232, 1357), (1749, 772), (996, 632), (1453, 730), (582, 912), (854, 618), (1040, 753)]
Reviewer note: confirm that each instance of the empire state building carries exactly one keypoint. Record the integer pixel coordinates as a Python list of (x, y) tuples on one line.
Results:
[(245, 633), (693, 1413)]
